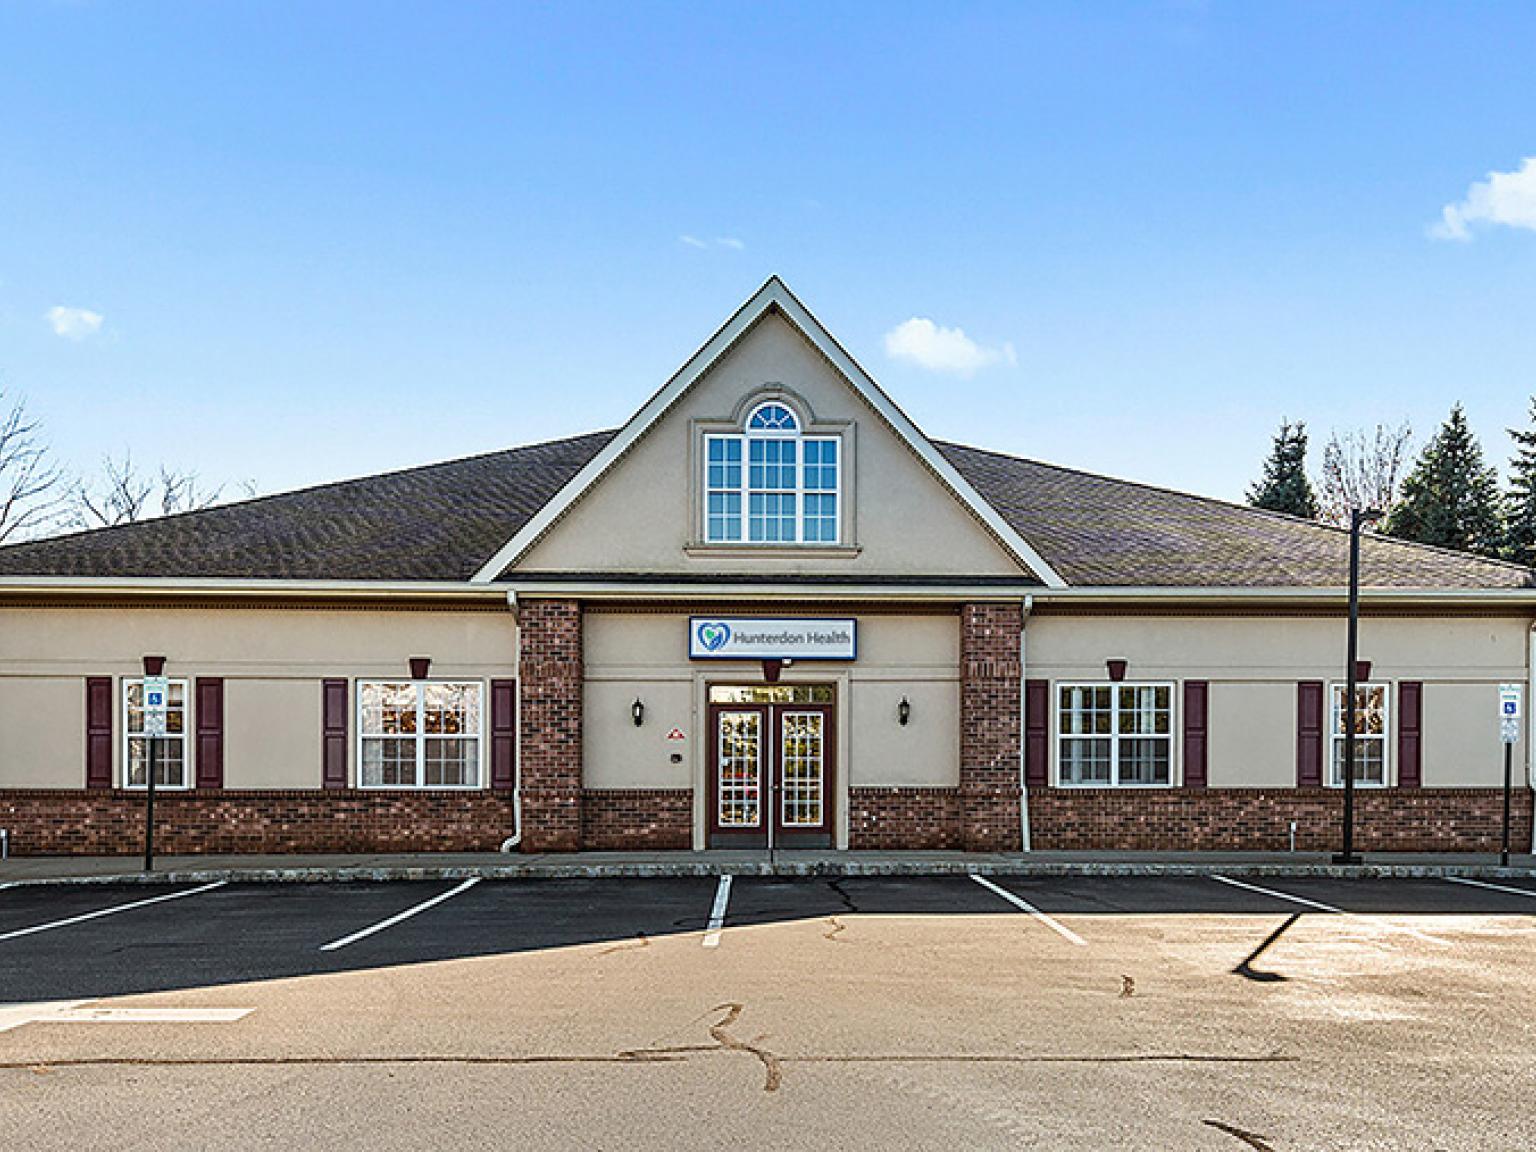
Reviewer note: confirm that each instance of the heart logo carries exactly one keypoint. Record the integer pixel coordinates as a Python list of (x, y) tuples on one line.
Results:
[(713, 636)]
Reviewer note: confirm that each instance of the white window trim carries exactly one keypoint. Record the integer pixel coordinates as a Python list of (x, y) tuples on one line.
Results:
[(1335, 779), (481, 772), (1175, 767), (802, 434), (184, 736)]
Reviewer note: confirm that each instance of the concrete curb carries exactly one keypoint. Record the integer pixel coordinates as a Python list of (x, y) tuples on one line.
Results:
[(790, 868)]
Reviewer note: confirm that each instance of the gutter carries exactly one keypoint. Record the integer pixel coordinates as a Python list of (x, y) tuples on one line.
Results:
[(511, 843)]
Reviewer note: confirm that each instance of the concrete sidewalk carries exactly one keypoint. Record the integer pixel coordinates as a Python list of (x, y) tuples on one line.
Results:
[(492, 865)]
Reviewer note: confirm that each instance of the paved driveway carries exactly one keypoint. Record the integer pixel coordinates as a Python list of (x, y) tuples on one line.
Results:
[(854, 1013)]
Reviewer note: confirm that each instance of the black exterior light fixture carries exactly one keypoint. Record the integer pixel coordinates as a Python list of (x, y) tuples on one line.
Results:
[(903, 711), (637, 711), (1358, 519)]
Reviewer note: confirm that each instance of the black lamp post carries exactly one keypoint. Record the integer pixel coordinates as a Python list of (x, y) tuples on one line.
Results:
[(1358, 519), (153, 666)]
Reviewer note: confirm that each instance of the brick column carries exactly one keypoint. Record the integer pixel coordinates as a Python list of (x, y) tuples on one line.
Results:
[(549, 724), (989, 727)]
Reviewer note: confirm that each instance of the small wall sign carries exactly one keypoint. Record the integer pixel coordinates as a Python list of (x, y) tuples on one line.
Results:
[(757, 638), (676, 735)]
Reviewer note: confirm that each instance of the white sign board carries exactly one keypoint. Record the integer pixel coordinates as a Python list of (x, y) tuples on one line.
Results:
[(157, 700), (1510, 700), (756, 638)]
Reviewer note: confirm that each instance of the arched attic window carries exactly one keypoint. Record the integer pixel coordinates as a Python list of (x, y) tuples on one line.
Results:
[(770, 483)]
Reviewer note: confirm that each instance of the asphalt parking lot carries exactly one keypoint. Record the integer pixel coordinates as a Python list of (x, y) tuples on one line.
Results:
[(1202, 1012)]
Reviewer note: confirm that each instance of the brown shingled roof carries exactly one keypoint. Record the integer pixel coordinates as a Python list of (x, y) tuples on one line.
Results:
[(440, 522), (1099, 531), (445, 521)]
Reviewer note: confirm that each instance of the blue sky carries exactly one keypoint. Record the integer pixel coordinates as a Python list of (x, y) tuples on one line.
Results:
[(297, 242)]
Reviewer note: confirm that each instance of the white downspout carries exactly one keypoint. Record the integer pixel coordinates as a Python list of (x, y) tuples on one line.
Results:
[(512, 841), (1029, 606)]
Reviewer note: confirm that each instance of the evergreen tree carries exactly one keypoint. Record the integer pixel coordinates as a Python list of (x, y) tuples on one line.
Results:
[(1285, 487), (1520, 527), (1451, 498)]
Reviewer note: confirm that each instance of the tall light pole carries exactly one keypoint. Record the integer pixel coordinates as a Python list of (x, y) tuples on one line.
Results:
[(1358, 519)]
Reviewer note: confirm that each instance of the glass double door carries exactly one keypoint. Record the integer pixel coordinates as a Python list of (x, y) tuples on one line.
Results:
[(771, 754)]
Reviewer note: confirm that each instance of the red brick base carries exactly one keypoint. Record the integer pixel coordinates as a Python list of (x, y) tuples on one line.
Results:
[(78, 822), (886, 819), (1259, 819), (637, 819), (111, 823)]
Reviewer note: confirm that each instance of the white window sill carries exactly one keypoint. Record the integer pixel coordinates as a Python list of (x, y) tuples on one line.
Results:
[(422, 788), (1107, 787), (772, 551)]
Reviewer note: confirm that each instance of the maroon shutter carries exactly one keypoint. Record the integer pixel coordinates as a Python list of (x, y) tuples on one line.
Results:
[(1037, 732), (1196, 697), (503, 734), (98, 732), (1410, 718), (1309, 734), (333, 733), (210, 731)]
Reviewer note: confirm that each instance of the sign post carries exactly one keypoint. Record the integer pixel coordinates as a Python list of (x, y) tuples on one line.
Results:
[(1510, 700), (157, 691)]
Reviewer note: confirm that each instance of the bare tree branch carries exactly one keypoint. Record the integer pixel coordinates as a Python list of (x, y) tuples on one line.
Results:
[(1362, 470), (30, 484), (125, 495)]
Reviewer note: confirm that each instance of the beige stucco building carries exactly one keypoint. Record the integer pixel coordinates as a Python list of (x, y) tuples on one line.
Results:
[(766, 611)]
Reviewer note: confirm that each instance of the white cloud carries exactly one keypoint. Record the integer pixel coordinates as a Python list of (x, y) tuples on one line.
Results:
[(73, 323), (1507, 198), (731, 242), (948, 350)]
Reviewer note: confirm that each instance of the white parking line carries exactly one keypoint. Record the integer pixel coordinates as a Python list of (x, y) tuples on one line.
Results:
[(399, 917), (1319, 906), (1493, 887), (72, 1012), (110, 911), (717, 913), (1025, 906)]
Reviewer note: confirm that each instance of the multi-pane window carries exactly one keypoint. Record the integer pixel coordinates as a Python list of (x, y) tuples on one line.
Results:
[(723, 484), (820, 485), (1115, 734), (419, 734), (170, 750), (770, 484), (1370, 734), (772, 504)]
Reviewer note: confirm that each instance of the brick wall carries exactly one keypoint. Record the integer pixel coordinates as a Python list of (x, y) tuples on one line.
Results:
[(549, 720), (110, 823), (989, 727), (1258, 819), (904, 818), (637, 819)]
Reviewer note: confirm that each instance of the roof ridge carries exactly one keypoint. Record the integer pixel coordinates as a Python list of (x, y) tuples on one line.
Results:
[(1284, 517), (325, 485)]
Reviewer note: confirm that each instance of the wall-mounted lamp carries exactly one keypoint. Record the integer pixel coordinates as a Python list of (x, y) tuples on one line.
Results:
[(637, 711), (903, 711)]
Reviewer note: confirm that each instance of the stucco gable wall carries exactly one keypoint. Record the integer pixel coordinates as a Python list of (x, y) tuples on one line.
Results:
[(641, 515)]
